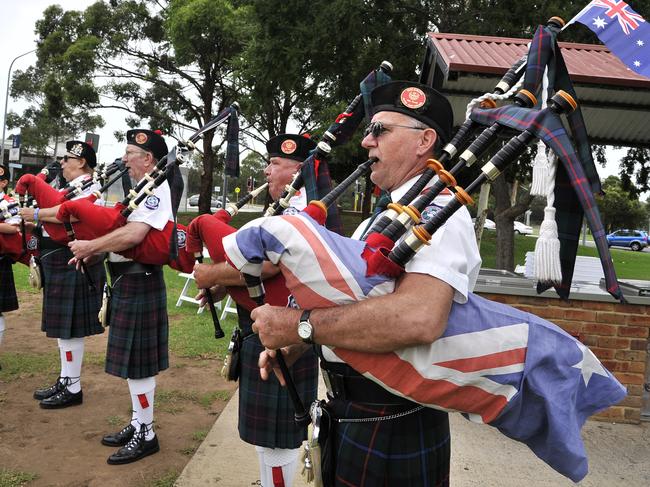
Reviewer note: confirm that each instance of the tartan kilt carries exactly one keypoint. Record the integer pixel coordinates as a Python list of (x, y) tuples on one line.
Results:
[(266, 414), (70, 307), (138, 335), (412, 450), (8, 298)]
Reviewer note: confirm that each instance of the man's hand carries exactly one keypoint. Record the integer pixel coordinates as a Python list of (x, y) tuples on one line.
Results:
[(27, 214), (268, 363), (81, 249), (204, 275), (218, 293), (276, 326)]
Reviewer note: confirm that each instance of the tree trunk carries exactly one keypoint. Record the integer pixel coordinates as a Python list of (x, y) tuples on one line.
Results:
[(481, 212), (504, 221), (505, 214), (209, 157)]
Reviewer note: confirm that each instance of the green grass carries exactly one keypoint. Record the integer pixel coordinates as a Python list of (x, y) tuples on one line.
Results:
[(165, 480), (21, 276), (17, 366), (206, 400), (13, 478), (628, 264)]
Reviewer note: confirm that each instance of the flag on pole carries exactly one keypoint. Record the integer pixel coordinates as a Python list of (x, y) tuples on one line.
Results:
[(621, 29)]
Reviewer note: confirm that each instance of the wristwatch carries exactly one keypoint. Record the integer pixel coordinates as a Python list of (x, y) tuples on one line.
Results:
[(305, 328)]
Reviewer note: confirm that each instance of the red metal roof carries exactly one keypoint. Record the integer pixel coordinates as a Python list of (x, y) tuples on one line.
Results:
[(587, 63)]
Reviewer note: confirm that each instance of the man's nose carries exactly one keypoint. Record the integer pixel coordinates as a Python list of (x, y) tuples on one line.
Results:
[(369, 141)]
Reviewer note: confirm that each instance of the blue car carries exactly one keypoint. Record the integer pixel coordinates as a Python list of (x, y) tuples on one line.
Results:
[(634, 239)]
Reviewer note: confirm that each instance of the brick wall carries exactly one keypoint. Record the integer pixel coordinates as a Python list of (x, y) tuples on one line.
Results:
[(616, 333)]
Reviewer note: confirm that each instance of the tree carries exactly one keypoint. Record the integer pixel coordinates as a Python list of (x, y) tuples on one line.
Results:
[(619, 208), (165, 62)]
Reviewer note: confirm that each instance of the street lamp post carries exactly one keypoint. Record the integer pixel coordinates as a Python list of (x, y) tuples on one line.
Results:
[(4, 119)]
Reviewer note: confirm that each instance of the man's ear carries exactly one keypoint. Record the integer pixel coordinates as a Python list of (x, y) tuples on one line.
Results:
[(427, 142)]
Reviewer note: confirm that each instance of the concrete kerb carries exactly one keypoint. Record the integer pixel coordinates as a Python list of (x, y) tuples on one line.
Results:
[(619, 455)]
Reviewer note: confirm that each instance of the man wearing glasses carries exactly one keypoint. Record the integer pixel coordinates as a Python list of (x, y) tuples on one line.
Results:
[(139, 331), (378, 438), (70, 304)]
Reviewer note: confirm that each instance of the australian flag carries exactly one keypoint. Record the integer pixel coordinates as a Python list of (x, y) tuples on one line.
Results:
[(622, 30), (495, 364)]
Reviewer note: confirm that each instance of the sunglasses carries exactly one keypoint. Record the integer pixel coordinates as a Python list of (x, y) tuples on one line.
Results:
[(66, 158), (377, 128)]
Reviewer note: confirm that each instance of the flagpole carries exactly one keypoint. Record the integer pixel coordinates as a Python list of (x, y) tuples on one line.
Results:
[(584, 9)]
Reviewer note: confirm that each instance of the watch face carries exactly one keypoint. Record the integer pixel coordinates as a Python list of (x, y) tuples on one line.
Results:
[(304, 330)]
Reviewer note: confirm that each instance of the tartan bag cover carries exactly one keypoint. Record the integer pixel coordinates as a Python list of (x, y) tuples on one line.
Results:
[(496, 364)]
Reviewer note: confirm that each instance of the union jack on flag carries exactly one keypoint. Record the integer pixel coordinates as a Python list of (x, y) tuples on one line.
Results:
[(621, 29), (495, 364)]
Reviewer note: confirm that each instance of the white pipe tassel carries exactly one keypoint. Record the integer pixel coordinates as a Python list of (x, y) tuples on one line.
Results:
[(547, 250), (541, 171)]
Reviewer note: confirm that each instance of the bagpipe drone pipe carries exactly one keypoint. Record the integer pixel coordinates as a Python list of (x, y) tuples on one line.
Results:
[(94, 221), (314, 173), (495, 364)]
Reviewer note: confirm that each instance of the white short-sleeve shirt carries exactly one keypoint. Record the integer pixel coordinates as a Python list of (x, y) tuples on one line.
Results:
[(452, 257), (155, 210)]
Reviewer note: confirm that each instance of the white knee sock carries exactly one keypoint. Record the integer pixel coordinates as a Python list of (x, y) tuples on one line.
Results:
[(142, 396), (2, 327), (72, 355), (277, 465)]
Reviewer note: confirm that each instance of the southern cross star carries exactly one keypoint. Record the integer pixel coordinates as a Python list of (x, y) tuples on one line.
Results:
[(589, 364), (600, 23), (640, 43)]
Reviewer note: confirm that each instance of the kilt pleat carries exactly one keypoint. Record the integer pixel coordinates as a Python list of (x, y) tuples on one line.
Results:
[(70, 307), (412, 450), (138, 336), (266, 414), (8, 298)]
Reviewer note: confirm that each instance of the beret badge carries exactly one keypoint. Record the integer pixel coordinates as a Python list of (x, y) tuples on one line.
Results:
[(141, 138), (288, 147), (77, 150), (413, 98)]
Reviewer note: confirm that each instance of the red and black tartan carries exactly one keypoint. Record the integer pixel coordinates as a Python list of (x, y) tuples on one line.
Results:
[(138, 336), (8, 298), (266, 414), (412, 450), (70, 307)]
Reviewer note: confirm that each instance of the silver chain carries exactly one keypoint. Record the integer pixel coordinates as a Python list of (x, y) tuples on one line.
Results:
[(379, 418)]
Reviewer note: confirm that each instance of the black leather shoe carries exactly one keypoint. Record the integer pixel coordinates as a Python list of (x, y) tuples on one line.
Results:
[(120, 438), (40, 394), (63, 399), (135, 449)]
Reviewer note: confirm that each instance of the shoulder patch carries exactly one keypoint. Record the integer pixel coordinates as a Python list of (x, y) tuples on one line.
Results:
[(32, 243), (152, 202), (429, 211), (291, 211), (181, 238)]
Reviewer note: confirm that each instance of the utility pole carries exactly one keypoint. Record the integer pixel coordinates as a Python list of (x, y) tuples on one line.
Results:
[(4, 119)]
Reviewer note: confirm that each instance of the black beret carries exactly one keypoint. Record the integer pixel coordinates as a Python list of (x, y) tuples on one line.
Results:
[(4, 173), (418, 101), (149, 140), (290, 146), (81, 149)]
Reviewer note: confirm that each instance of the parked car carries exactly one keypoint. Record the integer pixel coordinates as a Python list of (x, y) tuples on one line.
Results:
[(634, 239), (487, 224), (523, 229), (214, 202)]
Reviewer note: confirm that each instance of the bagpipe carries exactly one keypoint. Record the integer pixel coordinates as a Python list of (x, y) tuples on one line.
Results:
[(495, 364), (337, 134), (13, 245), (94, 221), (210, 229)]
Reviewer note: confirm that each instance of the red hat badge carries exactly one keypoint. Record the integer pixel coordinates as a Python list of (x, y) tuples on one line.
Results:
[(413, 97)]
